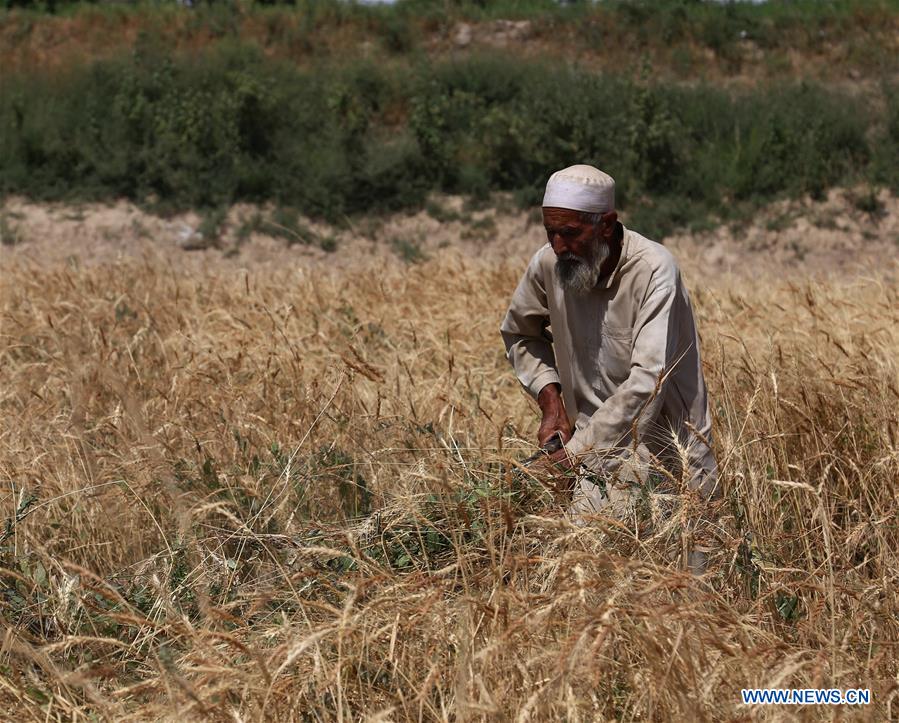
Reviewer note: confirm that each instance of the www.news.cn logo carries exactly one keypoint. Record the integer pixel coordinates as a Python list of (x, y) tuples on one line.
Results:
[(805, 696)]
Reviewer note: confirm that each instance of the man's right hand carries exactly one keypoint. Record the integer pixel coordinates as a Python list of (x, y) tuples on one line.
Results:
[(555, 418)]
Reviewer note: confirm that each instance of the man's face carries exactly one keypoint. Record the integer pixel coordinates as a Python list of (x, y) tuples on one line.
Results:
[(580, 247)]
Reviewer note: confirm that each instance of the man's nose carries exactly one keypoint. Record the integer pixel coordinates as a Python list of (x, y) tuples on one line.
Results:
[(558, 244)]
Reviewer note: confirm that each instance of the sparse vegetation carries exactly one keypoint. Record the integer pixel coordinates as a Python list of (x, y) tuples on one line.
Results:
[(440, 212), (408, 250), (867, 201), (211, 225), (285, 223), (481, 229), (9, 231)]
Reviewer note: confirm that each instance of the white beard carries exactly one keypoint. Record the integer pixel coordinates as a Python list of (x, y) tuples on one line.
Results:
[(579, 275)]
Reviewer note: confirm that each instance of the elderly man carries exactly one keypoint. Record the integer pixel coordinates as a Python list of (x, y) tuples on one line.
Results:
[(601, 333)]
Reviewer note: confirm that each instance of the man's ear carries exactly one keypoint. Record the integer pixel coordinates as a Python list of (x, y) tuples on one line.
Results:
[(608, 224)]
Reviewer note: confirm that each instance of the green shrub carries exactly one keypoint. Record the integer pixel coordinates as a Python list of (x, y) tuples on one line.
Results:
[(886, 167), (9, 232), (408, 251), (208, 130)]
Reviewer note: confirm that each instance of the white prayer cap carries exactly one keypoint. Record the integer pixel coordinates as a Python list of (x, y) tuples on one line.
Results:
[(581, 188)]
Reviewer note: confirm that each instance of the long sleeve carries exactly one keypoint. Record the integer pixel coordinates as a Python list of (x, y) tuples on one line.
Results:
[(655, 349), (524, 330)]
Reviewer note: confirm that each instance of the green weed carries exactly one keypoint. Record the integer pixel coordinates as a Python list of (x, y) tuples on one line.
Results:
[(408, 251), (10, 235)]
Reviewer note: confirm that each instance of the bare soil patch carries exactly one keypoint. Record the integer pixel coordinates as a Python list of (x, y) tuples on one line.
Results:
[(852, 230)]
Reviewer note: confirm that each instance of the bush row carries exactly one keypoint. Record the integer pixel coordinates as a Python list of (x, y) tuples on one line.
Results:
[(229, 125)]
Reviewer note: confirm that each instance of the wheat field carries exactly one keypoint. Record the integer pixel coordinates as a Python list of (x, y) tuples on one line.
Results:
[(293, 494)]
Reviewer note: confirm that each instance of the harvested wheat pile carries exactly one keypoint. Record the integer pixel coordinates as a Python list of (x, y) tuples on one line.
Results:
[(236, 496)]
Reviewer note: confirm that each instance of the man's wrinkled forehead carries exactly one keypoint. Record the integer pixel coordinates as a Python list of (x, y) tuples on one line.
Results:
[(558, 218)]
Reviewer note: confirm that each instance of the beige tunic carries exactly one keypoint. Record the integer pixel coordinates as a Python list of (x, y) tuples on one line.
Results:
[(627, 351)]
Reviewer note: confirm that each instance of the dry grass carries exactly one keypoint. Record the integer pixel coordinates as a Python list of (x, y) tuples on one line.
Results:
[(185, 456)]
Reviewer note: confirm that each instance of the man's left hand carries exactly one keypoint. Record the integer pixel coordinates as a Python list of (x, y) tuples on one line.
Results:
[(559, 462), (556, 472), (562, 459)]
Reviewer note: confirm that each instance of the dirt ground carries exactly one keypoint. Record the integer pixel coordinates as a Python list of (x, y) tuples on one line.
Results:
[(841, 234)]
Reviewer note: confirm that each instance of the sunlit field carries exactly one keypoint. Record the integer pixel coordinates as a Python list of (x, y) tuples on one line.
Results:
[(296, 495)]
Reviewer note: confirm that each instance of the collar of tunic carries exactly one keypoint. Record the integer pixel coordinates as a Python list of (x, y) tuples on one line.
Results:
[(606, 281)]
